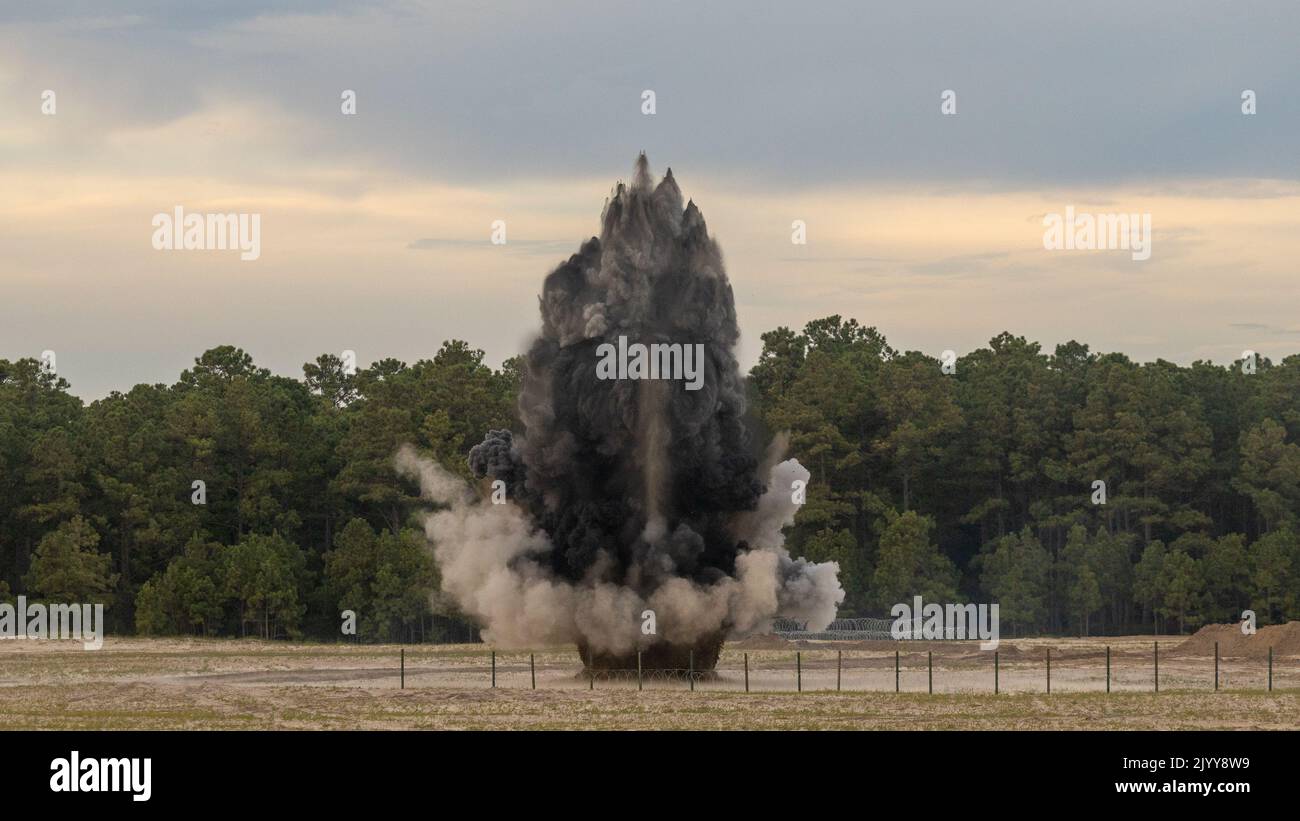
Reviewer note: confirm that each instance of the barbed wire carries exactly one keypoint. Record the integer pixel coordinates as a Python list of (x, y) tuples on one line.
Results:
[(863, 629)]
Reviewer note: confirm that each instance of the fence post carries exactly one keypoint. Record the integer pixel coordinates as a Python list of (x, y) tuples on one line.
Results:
[(690, 668), (747, 672), (532, 670), (591, 669), (1157, 658), (1049, 671), (1108, 668), (929, 667), (995, 672), (896, 671), (1270, 669), (494, 668), (1216, 667), (798, 672), (638, 670), (839, 667), (403, 687)]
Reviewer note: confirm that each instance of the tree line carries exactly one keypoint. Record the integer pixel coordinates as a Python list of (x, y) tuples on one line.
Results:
[(237, 502), (972, 482), (980, 483)]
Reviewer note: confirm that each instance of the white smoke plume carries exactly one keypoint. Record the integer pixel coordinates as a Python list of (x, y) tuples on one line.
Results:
[(493, 560)]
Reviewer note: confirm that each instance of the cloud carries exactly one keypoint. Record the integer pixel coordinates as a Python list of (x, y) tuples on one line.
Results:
[(926, 226), (964, 264), (528, 247), (1271, 330), (461, 91)]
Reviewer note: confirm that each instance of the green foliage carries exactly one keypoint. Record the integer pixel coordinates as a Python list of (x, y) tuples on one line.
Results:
[(1002, 455), (1181, 584), (285, 463), (910, 564), (263, 575), (1226, 571), (187, 597), (384, 578), (1094, 572), (67, 568), (1274, 571), (1016, 574), (950, 486), (1270, 474)]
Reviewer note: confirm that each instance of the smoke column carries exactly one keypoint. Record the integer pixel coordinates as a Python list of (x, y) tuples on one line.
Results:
[(627, 495)]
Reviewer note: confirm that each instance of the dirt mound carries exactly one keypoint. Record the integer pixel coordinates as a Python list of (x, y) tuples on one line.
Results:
[(1283, 638), (702, 655), (870, 646)]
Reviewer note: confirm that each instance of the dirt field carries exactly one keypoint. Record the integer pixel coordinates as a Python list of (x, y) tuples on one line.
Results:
[(226, 684)]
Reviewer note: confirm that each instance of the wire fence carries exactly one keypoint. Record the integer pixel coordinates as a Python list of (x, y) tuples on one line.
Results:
[(1044, 670)]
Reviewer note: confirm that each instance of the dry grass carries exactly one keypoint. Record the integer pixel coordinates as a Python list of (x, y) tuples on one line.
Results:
[(216, 684)]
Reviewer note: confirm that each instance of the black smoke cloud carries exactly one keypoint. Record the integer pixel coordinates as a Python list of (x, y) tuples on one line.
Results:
[(628, 494)]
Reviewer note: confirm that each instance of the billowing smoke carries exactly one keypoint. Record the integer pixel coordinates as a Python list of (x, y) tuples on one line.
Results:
[(628, 494)]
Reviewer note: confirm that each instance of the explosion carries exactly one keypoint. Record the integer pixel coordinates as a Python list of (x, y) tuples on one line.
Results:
[(632, 492)]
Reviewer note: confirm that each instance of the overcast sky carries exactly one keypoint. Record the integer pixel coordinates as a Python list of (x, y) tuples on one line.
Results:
[(375, 227)]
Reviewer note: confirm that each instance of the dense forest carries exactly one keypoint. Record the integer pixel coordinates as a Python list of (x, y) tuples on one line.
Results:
[(237, 502)]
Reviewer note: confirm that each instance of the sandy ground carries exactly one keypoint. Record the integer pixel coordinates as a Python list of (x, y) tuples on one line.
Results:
[(227, 684)]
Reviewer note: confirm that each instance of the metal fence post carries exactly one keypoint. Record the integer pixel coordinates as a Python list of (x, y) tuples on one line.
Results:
[(1157, 658), (690, 671), (403, 686), (1049, 671), (532, 669), (929, 668), (747, 672), (591, 669), (839, 667), (638, 669), (1216, 666), (896, 688), (494, 668), (798, 673), (1270, 669), (1108, 668), (995, 672)]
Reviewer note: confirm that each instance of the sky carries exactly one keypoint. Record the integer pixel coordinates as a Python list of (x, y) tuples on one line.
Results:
[(376, 226)]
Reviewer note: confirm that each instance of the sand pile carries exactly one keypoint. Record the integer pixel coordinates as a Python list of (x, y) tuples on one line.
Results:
[(1283, 638)]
